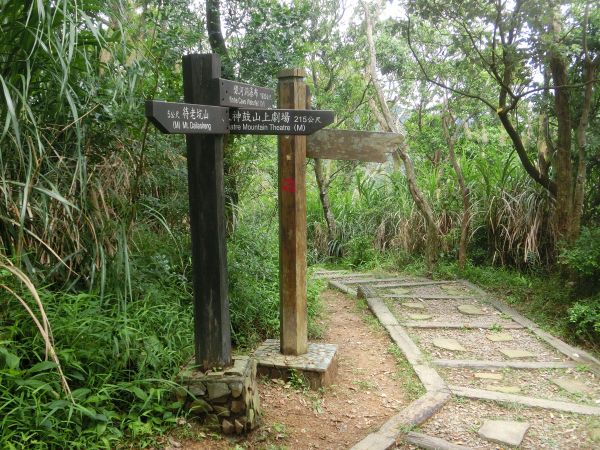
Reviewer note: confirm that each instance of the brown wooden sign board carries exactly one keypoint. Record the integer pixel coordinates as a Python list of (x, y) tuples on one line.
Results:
[(242, 95), (278, 121), (352, 145), (187, 118)]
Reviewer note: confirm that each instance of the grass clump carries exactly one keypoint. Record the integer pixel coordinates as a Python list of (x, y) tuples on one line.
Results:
[(406, 374), (118, 359)]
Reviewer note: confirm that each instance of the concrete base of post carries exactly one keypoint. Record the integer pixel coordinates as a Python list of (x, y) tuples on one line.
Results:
[(318, 366)]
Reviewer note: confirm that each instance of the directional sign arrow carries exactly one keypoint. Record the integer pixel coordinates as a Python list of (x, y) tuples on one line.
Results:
[(278, 121), (187, 118), (352, 145), (242, 95)]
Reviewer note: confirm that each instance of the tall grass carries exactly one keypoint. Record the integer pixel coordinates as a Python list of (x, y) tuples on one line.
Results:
[(57, 212), (375, 213), (118, 365)]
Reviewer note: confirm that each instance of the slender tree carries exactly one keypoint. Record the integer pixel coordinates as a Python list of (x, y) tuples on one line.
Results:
[(508, 43), (433, 231)]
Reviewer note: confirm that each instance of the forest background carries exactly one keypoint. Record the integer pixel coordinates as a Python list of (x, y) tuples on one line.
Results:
[(497, 182)]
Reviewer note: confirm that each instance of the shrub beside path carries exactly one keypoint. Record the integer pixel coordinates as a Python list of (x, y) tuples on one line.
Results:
[(493, 378)]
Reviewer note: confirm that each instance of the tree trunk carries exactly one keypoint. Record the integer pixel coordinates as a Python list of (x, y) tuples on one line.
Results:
[(542, 145), (218, 46), (215, 36), (433, 231), (327, 213), (323, 184), (589, 73), (464, 191), (562, 159)]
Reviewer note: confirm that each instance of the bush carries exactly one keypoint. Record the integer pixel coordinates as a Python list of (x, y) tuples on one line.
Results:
[(254, 285), (582, 259), (584, 317), (118, 359), (360, 254)]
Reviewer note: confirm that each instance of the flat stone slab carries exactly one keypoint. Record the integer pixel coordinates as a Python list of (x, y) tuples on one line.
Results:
[(504, 389), (449, 344), (401, 291), (573, 386), (513, 353), (414, 305), (319, 364), (419, 316), (452, 290), (471, 310), (506, 432), (488, 376), (499, 337)]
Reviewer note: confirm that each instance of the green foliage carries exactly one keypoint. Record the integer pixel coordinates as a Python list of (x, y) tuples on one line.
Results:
[(118, 364), (253, 279), (584, 317), (298, 380), (267, 37), (360, 253), (583, 257), (253, 266), (94, 201)]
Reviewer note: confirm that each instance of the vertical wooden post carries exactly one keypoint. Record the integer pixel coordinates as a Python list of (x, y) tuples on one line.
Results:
[(292, 222), (207, 216)]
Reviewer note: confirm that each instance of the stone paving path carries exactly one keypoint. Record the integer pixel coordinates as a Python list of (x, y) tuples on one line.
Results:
[(494, 379)]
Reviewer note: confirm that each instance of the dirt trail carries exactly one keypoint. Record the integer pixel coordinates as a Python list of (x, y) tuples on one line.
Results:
[(366, 393), (484, 368)]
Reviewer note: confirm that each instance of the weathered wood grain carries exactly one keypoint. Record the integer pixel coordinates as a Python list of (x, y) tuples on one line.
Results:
[(352, 145), (207, 222), (292, 222)]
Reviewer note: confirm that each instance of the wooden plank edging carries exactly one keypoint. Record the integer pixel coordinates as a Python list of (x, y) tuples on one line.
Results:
[(397, 333), (428, 324), (413, 415), (413, 284), (371, 280), (432, 297), (341, 287), (482, 364), (558, 405)]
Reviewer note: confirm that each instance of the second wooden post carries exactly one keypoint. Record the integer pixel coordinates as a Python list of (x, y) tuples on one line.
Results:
[(207, 222), (292, 222)]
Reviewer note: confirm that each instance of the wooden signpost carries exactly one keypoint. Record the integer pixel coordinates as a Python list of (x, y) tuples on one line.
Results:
[(212, 334), (293, 334), (214, 107), (187, 118)]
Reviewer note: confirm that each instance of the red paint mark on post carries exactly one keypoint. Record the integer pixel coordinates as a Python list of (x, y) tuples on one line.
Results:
[(288, 184)]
